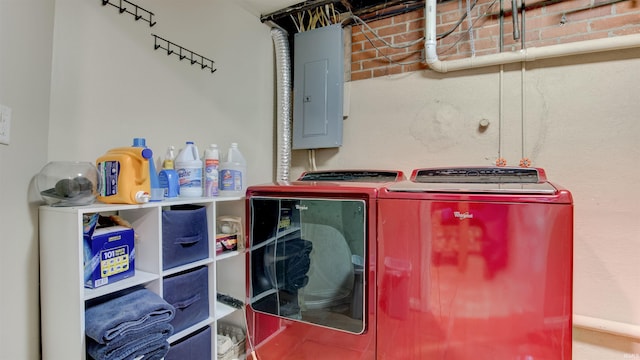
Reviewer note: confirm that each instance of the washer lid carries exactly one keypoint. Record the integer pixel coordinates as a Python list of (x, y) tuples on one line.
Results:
[(492, 188), (490, 179), (479, 175)]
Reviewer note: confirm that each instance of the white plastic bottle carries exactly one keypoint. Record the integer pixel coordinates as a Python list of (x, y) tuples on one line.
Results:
[(233, 173), (211, 167), (189, 168)]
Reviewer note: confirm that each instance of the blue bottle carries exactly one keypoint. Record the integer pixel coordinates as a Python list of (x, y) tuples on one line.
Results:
[(168, 177), (156, 190)]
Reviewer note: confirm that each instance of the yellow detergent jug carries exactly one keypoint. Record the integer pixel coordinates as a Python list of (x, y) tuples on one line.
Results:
[(124, 175)]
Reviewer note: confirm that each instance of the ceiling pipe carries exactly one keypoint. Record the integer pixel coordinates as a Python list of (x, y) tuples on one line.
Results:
[(529, 54), (514, 16)]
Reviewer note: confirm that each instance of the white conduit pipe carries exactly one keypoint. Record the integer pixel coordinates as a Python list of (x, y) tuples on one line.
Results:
[(529, 54), (607, 326), (283, 74)]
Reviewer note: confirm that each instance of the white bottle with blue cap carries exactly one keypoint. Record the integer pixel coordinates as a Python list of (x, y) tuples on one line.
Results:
[(233, 173), (189, 168)]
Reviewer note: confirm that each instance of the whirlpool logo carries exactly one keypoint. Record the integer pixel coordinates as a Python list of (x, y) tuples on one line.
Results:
[(301, 207), (462, 216)]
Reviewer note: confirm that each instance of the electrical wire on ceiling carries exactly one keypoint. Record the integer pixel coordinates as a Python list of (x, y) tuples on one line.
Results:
[(457, 24), (378, 37), (388, 44), (470, 31), (471, 27), (312, 159), (325, 13), (316, 17), (465, 15)]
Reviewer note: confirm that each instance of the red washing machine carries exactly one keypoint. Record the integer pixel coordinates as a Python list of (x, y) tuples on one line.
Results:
[(475, 263), (464, 263)]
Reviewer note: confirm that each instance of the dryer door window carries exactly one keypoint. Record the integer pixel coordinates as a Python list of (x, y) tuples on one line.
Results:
[(307, 260)]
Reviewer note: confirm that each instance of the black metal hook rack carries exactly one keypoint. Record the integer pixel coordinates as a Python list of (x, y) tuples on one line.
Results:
[(183, 53), (138, 12)]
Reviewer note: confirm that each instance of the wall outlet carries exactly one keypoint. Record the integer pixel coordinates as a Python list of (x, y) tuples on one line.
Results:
[(5, 124)]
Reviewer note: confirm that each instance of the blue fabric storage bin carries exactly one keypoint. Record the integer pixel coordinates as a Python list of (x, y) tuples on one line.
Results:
[(196, 346), (184, 235), (188, 292)]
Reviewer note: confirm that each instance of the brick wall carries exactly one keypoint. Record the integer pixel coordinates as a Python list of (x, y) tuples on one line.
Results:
[(546, 23)]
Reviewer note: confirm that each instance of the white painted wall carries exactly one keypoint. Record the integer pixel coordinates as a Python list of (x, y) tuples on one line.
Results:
[(580, 125), (25, 72), (109, 85)]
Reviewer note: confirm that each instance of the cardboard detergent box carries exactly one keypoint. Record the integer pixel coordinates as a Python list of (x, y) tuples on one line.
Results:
[(226, 242), (109, 255), (229, 234)]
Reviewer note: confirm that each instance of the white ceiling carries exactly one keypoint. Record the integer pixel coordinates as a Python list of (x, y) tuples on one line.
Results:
[(262, 7)]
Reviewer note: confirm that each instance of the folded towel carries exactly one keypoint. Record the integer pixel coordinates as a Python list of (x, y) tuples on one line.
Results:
[(131, 311), (146, 349), (134, 344), (124, 344)]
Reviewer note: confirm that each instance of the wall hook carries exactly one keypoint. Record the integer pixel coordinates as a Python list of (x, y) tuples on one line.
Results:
[(182, 53), (138, 13)]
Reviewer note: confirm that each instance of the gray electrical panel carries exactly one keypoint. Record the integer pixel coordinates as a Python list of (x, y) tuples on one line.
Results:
[(318, 86)]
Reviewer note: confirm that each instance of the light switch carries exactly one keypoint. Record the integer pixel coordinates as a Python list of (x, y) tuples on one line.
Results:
[(5, 124)]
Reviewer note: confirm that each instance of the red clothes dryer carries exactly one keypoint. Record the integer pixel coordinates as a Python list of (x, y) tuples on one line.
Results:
[(311, 265)]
